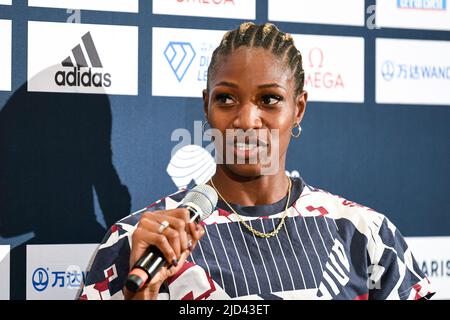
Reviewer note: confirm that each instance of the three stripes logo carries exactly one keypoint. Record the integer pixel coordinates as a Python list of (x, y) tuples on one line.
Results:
[(79, 76), (79, 56), (180, 56)]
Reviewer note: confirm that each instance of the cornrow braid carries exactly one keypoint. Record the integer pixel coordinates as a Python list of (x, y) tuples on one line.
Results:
[(268, 37)]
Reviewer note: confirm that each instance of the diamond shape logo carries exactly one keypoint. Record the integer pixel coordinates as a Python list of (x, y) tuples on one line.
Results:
[(180, 56)]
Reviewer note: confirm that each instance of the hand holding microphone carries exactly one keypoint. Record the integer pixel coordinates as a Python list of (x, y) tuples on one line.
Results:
[(164, 239)]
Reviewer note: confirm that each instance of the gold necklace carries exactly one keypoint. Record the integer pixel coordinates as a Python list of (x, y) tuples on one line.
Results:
[(252, 230)]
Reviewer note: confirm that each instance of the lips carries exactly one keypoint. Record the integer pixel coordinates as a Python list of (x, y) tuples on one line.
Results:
[(248, 148), (245, 146), (248, 141)]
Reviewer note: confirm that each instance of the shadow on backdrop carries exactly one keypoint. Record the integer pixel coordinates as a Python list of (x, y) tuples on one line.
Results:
[(55, 150)]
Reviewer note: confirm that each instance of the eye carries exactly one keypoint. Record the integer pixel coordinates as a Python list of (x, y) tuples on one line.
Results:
[(224, 98), (271, 99)]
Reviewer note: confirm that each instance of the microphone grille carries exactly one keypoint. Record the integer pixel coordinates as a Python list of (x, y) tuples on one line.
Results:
[(205, 197)]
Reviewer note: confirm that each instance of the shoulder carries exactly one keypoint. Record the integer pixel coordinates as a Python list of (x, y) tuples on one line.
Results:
[(314, 202), (355, 223), (392, 269)]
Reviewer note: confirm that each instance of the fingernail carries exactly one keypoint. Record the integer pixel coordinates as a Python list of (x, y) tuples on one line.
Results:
[(175, 262)]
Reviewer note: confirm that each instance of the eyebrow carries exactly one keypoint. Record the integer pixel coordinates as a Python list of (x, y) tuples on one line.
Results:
[(262, 86), (271, 85), (227, 84)]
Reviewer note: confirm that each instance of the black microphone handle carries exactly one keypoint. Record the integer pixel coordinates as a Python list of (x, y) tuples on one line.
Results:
[(152, 260)]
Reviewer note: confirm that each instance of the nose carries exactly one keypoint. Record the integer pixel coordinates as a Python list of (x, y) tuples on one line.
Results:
[(248, 117)]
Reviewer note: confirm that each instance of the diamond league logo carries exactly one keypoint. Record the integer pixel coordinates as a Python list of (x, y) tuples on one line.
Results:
[(179, 55)]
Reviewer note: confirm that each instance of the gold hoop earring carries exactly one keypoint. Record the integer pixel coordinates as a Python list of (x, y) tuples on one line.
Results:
[(296, 135)]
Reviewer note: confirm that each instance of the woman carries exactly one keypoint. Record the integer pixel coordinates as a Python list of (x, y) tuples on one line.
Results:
[(271, 236)]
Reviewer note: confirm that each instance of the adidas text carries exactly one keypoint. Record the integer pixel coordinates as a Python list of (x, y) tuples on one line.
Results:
[(80, 78)]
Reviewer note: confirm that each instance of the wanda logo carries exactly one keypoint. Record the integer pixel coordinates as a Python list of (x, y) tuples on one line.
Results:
[(318, 75)]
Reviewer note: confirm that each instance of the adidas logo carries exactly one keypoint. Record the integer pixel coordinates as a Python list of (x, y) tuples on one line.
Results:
[(79, 77)]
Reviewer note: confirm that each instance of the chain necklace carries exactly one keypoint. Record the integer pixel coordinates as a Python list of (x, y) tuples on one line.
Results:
[(252, 230)]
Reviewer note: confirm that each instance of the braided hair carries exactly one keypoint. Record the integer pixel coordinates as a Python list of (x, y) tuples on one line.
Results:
[(266, 36)]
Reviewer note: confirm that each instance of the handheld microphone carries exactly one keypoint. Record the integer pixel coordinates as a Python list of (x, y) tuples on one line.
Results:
[(201, 202)]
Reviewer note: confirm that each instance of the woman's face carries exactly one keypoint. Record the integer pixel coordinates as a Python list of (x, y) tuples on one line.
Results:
[(252, 90)]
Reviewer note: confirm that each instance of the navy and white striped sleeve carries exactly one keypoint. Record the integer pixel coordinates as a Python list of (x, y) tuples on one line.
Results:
[(394, 272)]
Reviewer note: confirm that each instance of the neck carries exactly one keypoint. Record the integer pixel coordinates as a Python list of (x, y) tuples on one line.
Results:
[(250, 191)]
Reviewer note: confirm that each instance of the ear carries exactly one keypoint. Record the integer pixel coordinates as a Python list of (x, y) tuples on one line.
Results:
[(300, 106), (205, 102)]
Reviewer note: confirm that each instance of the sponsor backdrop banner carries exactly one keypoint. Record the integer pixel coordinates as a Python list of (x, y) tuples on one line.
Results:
[(56, 272), (110, 5), (433, 257), (78, 63), (234, 9), (319, 11), (4, 272), (334, 67), (414, 14), (5, 55), (411, 79), (180, 60), (101, 115)]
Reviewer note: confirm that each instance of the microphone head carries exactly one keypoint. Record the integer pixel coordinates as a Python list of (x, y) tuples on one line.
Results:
[(204, 197)]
